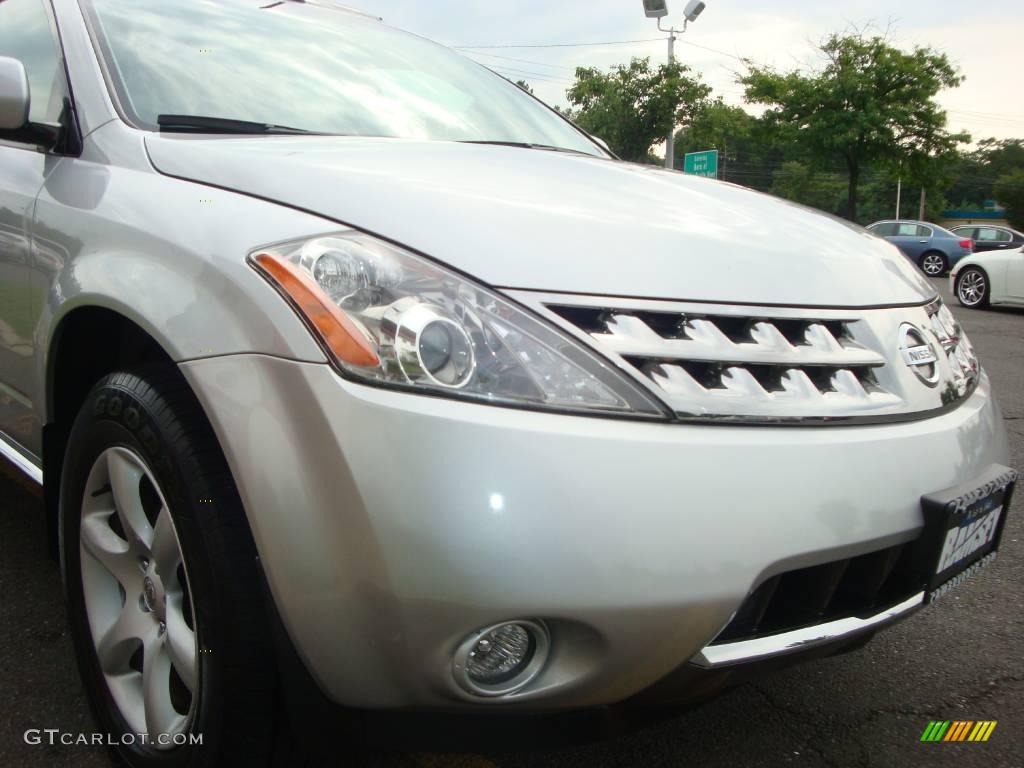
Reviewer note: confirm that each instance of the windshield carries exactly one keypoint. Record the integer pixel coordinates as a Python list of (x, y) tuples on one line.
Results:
[(316, 69)]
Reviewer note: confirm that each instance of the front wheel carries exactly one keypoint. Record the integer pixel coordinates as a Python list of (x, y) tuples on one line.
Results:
[(162, 582), (972, 288), (934, 264)]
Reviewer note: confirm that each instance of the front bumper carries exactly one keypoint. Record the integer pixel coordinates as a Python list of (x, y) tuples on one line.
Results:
[(391, 526)]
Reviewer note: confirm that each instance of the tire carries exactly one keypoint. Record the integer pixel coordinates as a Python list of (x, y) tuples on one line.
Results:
[(973, 289), (143, 465), (934, 264)]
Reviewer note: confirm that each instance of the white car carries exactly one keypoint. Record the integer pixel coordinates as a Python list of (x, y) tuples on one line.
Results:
[(992, 277)]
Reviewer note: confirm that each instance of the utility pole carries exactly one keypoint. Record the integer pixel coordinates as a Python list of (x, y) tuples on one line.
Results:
[(920, 215), (899, 195), (670, 143)]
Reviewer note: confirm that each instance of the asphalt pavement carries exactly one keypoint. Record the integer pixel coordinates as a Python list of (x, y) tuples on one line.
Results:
[(962, 659)]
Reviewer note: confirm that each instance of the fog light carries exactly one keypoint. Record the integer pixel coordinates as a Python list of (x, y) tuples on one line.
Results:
[(503, 658), (500, 655)]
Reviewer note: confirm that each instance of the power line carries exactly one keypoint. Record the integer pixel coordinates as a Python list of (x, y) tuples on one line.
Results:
[(473, 52), (989, 114), (558, 45), (521, 61), (535, 75), (712, 50), (970, 116)]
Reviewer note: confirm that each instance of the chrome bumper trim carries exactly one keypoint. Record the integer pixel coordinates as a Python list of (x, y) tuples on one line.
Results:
[(743, 651), (20, 461)]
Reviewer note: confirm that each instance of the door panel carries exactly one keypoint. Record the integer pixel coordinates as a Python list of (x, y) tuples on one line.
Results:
[(1015, 276), (20, 181), (28, 34), (912, 242), (910, 246)]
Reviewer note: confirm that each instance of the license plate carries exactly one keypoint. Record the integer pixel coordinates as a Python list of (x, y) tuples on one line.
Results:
[(963, 527)]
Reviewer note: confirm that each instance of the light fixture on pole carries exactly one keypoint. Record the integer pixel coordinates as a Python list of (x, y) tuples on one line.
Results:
[(658, 9)]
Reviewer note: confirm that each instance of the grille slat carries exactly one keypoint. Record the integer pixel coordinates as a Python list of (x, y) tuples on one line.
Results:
[(777, 365), (704, 341)]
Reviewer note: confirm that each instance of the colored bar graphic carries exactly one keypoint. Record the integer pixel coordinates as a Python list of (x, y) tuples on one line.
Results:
[(935, 731), (959, 730)]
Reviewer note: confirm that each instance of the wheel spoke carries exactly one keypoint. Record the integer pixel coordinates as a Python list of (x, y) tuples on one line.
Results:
[(161, 716), (166, 553), (110, 550), (181, 644), (125, 477), (117, 646)]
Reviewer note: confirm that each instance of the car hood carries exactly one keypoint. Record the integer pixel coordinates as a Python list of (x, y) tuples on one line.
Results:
[(554, 221)]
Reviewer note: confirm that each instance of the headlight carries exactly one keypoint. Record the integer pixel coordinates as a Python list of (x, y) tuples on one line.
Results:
[(389, 317)]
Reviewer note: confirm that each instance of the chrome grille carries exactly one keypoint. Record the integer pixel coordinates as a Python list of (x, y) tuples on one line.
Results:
[(773, 364)]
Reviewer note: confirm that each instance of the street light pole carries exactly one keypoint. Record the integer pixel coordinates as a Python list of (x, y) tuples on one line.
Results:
[(670, 144)]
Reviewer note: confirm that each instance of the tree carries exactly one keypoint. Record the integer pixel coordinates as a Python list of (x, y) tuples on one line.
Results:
[(869, 103), (796, 181), (525, 86), (975, 173), (1009, 190), (633, 106), (717, 126)]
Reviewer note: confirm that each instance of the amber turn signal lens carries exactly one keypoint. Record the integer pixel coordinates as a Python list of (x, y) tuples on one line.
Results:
[(335, 329)]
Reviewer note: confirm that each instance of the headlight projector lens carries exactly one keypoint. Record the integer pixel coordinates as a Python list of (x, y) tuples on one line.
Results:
[(429, 346), (501, 659)]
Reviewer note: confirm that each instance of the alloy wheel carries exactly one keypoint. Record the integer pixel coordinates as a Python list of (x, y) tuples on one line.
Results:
[(137, 598), (933, 264), (971, 288)]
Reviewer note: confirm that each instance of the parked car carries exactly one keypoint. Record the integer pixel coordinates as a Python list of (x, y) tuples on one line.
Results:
[(988, 238), (934, 249), (992, 277), (358, 380)]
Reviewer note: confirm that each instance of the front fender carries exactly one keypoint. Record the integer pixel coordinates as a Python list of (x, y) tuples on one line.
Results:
[(169, 255)]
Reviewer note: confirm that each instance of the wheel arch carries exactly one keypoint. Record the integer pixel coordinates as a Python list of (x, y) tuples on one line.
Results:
[(972, 265), (86, 343)]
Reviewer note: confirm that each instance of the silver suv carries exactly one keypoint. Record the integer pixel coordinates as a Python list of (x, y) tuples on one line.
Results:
[(356, 376)]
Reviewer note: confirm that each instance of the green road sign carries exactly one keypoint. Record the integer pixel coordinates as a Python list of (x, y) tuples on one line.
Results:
[(702, 164)]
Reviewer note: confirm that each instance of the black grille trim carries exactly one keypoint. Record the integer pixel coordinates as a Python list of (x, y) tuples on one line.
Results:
[(856, 587)]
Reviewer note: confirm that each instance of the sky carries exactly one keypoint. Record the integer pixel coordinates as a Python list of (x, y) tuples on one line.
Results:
[(983, 41)]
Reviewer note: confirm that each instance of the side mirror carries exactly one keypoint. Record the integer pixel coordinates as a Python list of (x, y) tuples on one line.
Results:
[(14, 95)]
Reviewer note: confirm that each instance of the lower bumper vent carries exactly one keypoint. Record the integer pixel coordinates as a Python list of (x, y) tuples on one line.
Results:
[(858, 587)]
